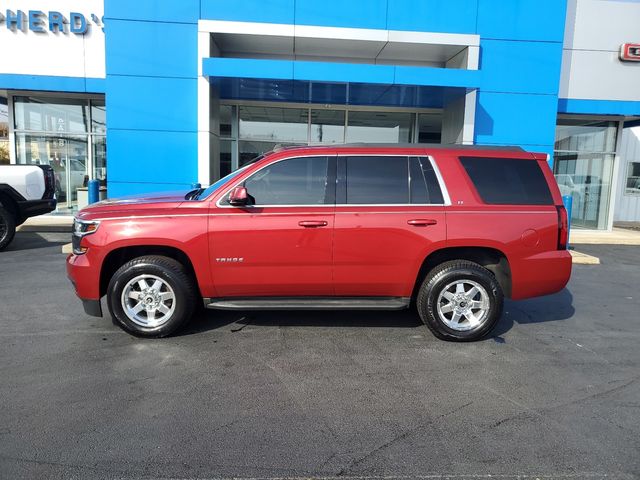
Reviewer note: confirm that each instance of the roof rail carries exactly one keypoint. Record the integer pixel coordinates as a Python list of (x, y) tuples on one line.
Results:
[(278, 148)]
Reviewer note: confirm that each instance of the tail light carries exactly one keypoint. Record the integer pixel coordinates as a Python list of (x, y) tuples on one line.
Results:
[(563, 228)]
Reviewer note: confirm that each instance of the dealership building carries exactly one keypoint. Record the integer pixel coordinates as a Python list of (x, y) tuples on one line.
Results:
[(158, 95)]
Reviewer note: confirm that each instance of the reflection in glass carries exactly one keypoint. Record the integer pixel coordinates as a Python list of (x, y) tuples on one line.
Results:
[(327, 126), (578, 135), (4, 132), (100, 159), (633, 179), (279, 125), (67, 155), (379, 127), (98, 117), (51, 115), (587, 178), (225, 157), (250, 150), (298, 181), (429, 127), (226, 118)]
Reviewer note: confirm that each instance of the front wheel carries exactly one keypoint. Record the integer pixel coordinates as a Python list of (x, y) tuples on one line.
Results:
[(151, 296), (460, 300), (7, 227)]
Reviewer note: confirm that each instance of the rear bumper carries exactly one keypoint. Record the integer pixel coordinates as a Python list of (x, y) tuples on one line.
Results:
[(32, 208), (541, 274)]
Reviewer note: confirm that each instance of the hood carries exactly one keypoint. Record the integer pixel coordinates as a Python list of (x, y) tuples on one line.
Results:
[(133, 203), (145, 198)]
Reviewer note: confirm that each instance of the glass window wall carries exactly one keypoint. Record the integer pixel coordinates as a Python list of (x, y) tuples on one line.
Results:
[(583, 166), (69, 135), (247, 131), (4, 132)]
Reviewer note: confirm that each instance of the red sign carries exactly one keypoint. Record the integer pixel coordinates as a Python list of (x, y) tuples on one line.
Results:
[(630, 52)]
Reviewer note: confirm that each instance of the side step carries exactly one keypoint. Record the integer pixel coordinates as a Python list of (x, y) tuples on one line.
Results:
[(308, 303)]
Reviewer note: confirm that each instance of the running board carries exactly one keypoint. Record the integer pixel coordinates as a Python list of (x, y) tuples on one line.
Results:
[(308, 303)]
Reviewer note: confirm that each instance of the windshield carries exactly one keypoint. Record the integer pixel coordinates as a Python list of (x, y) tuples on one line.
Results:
[(213, 187)]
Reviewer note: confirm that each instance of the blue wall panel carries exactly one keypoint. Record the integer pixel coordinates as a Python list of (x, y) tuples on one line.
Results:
[(515, 119), (451, 16), (152, 49), (49, 83), (541, 20), (531, 67), (186, 11), (340, 13), (153, 103), (268, 11), (153, 157)]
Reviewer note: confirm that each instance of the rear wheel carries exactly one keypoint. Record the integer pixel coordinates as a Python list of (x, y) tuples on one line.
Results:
[(7, 227), (460, 300), (151, 296)]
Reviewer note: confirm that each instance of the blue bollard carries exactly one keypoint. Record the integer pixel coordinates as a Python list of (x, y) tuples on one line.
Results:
[(94, 191), (195, 186), (568, 204)]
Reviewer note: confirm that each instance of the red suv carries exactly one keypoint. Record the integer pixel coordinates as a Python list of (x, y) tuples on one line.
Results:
[(450, 231)]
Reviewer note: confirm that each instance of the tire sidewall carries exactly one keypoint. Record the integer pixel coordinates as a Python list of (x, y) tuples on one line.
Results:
[(183, 307), (10, 222), (490, 284)]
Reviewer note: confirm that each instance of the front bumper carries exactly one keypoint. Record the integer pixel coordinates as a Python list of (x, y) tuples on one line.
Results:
[(85, 278)]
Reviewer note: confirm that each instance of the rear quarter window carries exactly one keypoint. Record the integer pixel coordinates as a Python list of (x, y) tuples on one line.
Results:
[(508, 181)]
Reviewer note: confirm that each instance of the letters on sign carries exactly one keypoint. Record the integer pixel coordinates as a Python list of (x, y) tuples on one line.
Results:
[(51, 21)]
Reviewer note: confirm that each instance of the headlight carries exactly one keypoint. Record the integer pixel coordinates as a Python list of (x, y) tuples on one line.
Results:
[(82, 228)]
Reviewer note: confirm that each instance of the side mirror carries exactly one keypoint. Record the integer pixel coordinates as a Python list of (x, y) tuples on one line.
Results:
[(238, 196)]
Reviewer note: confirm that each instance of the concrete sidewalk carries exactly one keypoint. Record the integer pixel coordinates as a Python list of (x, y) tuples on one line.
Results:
[(47, 223), (617, 236)]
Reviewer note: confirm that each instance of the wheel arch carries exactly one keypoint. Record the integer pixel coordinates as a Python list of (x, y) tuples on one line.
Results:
[(119, 256), (492, 259)]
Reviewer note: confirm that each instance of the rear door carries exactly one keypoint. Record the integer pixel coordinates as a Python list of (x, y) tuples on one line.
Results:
[(389, 216)]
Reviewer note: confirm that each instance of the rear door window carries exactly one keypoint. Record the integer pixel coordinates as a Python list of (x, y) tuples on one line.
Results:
[(508, 181), (375, 180), (424, 185)]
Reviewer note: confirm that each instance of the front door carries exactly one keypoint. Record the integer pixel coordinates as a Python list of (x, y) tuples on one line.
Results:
[(281, 244), (389, 217)]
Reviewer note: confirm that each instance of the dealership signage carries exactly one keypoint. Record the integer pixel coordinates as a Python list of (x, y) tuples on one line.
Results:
[(630, 52), (50, 21)]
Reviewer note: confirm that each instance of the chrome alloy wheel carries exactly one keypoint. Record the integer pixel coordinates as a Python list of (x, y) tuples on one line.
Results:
[(463, 305), (148, 301)]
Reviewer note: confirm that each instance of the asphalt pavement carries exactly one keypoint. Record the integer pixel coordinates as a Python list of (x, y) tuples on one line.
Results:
[(554, 393)]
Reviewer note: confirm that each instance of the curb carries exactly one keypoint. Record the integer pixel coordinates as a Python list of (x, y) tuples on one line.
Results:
[(579, 258)]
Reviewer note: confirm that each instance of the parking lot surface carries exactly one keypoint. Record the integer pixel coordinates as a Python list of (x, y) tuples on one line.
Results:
[(553, 393)]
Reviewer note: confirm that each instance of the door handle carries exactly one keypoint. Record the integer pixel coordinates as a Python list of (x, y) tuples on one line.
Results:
[(313, 223), (422, 222)]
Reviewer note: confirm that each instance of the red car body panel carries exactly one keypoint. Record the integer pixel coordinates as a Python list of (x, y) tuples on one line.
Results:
[(348, 250)]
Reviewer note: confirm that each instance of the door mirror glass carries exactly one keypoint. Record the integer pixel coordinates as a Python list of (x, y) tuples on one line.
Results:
[(238, 196)]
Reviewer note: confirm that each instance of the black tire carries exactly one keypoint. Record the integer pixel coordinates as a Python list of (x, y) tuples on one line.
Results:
[(7, 227), (442, 276), (170, 271)]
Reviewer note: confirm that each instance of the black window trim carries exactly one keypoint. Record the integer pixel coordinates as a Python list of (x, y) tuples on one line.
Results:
[(336, 172)]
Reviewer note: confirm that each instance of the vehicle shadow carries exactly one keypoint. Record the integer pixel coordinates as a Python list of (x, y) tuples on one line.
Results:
[(550, 308), (32, 240), (214, 319), (544, 309)]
